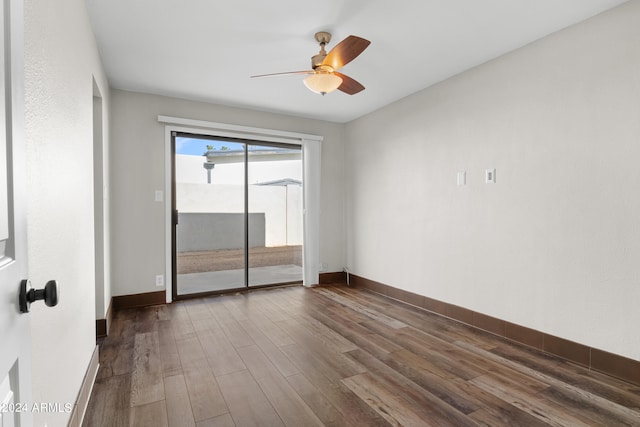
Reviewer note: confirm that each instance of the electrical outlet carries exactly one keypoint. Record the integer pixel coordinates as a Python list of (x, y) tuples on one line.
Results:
[(160, 280), (323, 267), (159, 196)]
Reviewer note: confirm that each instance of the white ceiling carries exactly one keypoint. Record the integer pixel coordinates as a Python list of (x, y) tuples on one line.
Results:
[(206, 49)]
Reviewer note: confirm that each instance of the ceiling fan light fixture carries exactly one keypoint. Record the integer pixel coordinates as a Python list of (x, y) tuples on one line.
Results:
[(322, 83)]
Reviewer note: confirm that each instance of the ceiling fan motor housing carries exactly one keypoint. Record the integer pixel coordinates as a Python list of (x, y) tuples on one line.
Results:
[(316, 60)]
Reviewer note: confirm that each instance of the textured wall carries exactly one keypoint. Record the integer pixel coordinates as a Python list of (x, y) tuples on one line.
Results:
[(61, 60), (554, 244)]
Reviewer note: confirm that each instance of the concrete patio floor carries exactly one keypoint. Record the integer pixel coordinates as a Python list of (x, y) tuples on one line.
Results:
[(191, 283)]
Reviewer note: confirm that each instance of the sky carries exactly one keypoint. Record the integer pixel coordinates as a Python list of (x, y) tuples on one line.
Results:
[(197, 147)]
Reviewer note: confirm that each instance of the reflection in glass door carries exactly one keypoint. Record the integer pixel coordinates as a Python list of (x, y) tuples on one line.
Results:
[(238, 207)]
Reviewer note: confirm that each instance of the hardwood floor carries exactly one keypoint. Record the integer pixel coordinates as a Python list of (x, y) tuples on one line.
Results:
[(334, 356)]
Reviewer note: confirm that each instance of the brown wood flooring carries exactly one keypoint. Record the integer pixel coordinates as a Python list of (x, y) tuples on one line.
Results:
[(334, 356)]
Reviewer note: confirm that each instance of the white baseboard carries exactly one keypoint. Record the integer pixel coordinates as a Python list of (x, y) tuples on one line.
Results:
[(80, 407)]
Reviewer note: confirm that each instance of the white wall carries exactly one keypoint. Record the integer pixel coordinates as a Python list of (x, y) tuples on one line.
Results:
[(101, 202), (137, 170), (554, 245), (189, 169), (61, 60)]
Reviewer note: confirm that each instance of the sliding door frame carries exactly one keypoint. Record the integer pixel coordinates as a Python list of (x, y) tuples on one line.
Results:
[(246, 144), (311, 162)]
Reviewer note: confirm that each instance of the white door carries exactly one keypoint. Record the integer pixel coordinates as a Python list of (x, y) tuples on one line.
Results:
[(15, 333)]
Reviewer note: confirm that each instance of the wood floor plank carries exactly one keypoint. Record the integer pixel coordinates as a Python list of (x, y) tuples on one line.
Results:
[(257, 362), (146, 319), (319, 373), (386, 403), (592, 408), (182, 324), (424, 388), (448, 331), (330, 337), (268, 328), (177, 400), (506, 415), (332, 308), (608, 388), (224, 420), (277, 308), (204, 392), (335, 360), (198, 310), (149, 415), (363, 309), (169, 356), (324, 410), (288, 404), (272, 312), (123, 359), (275, 355), (362, 337), (580, 398), (447, 358), (146, 380), (190, 349), (422, 360), (236, 335), (219, 311), (222, 357), (247, 403), (238, 307), (206, 324), (440, 403), (109, 404), (123, 323), (511, 392)]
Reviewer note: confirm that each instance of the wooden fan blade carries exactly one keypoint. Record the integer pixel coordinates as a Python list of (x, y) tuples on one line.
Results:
[(349, 85), (345, 51), (285, 73)]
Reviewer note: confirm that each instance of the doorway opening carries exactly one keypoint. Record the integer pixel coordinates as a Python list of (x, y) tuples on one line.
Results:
[(237, 208)]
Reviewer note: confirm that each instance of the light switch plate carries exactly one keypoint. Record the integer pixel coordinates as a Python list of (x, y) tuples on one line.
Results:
[(490, 176), (462, 178)]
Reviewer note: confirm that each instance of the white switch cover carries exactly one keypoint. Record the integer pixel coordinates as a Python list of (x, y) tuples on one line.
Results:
[(159, 196), (462, 178), (490, 176)]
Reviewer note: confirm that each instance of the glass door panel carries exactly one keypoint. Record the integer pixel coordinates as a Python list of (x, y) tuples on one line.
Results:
[(274, 176), (210, 201)]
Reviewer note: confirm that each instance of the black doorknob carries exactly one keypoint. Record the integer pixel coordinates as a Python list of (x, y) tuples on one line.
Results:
[(28, 295)]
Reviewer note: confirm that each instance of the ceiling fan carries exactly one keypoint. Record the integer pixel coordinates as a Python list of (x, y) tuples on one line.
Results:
[(324, 77)]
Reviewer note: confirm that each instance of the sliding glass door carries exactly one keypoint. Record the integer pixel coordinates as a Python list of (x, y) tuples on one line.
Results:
[(275, 214), (238, 214)]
